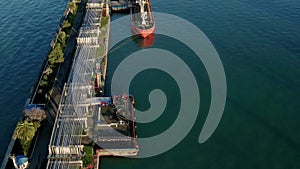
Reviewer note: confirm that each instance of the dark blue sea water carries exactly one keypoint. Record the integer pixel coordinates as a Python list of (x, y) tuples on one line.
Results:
[(26, 29), (259, 45)]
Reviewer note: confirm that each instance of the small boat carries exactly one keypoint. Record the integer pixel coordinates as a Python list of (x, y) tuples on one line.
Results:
[(120, 5), (142, 20)]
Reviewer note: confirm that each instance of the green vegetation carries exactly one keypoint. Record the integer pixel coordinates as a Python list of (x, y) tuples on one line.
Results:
[(100, 51), (62, 39), (104, 21), (25, 132), (88, 157), (48, 71), (66, 25), (72, 6), (83, 132), (26, 146), (56, 56)]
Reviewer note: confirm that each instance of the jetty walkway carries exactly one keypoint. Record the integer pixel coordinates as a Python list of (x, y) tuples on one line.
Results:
[(81, 96)]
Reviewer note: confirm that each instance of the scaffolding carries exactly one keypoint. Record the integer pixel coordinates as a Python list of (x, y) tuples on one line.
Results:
[(65, 149)]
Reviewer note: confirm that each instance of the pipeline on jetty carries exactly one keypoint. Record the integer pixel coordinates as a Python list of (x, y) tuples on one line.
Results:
[(82, 109)]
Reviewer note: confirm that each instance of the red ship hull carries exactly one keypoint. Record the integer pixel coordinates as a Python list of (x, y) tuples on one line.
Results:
[(142, 32)]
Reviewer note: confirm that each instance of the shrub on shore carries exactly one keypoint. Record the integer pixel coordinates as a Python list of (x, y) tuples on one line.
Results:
[(56, 56), (88, 157), (25, 132)]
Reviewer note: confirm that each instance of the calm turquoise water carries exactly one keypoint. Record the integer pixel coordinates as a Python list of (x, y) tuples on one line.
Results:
[(258, 43)]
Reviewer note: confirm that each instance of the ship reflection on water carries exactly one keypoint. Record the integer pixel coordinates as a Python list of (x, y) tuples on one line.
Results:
[(144, 42)]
